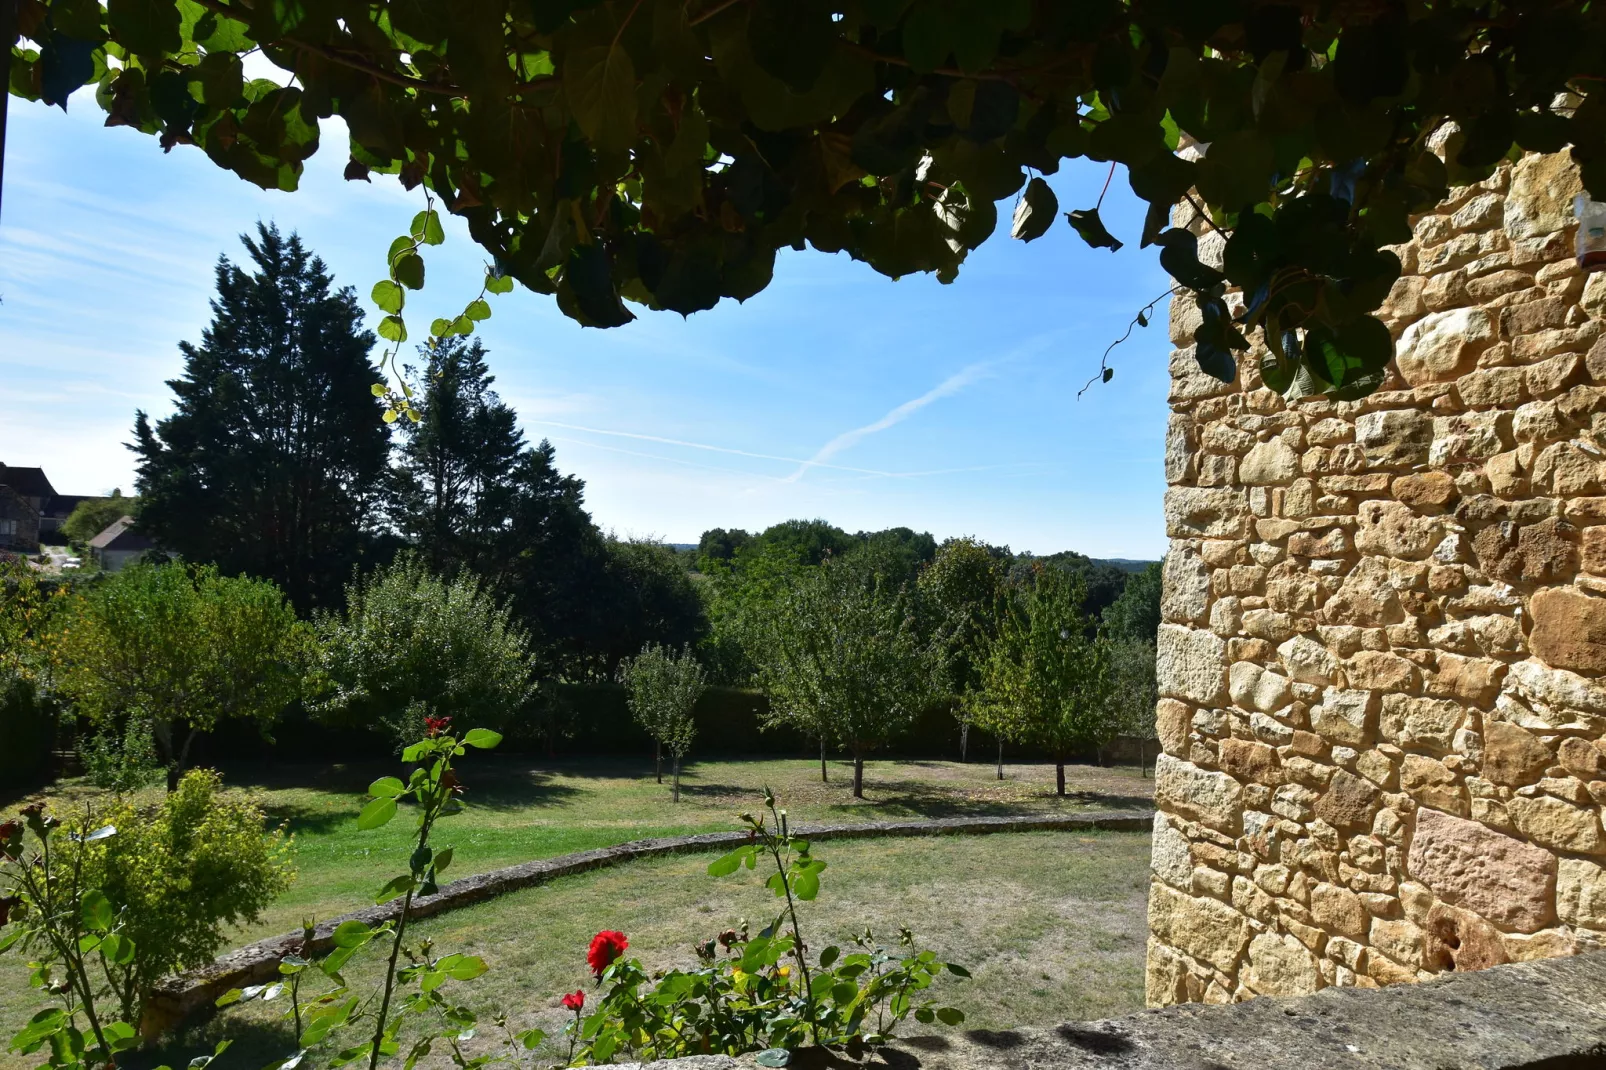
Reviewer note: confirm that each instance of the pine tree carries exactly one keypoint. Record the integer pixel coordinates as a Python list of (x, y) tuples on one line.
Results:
[(274, 456)]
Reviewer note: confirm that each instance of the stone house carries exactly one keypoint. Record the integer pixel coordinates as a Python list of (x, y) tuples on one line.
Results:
[(119, 545), (1384, 632), (19, 523)]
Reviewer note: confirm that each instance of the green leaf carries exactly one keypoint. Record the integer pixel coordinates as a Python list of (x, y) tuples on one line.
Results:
[(957, 970), (478, 310), (530, 1038), (427, 228), (393, 329), (389, 296), (118, 949), (1087, 223), (950, 1015), (378, 390), (462, 967), (1356, 349), (483, 738), (443, 858), (773, 1057), (409, 270), (440, 328), (387, 787), (1034, 212), (377, 813), (828, 956), (145, 27), (806, 884), (39, 1028), (351, 934), (1179, 255), (725, 865), (600, 86), (95, 911), (396, 886), (498, 284)]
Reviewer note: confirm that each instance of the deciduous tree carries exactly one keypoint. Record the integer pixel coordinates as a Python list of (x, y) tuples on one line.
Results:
[(662, 688), (184, 647), (961, 585)]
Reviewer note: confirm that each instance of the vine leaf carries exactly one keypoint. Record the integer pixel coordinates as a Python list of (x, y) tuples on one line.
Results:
[(1034, 212), (1087, 223), (600, 84)]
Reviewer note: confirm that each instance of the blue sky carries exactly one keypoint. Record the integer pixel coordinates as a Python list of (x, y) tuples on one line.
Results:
[(834, 393)]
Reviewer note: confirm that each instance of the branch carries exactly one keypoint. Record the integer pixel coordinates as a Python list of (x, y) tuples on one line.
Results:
[(1143, 316)]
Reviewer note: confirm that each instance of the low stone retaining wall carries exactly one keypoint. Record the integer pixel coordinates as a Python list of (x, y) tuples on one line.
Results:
[(177, 997), (1547, 1015)]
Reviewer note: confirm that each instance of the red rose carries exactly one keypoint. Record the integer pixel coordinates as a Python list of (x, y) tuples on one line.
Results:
[(434, 726), (605, 947), (575, 1000), (10, 838)]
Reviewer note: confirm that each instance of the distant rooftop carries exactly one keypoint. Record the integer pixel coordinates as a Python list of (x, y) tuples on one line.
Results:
[(28, 482), (121, 536)]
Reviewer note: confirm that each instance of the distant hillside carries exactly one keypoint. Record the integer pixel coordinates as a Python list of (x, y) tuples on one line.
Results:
[(1125, 564)]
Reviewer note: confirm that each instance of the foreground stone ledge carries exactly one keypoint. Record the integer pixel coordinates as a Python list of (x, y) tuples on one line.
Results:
[(1548, 1015), (177, 997)]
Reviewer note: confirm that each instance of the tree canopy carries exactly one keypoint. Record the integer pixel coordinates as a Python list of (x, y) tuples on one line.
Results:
[(662, 151)]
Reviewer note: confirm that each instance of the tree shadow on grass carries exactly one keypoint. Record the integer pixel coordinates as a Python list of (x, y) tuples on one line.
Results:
[(509, 784), (252, 1043)]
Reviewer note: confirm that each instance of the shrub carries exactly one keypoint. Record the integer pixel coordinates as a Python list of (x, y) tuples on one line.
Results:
[(121, 758), (413, 645), (179, 872)]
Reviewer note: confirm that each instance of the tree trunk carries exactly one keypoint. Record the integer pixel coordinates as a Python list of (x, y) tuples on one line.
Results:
[(823, 778), (858, 777), (1000, 758), (675, 796), (964, 739), (176, 761), (658, 759), (1059, 776)]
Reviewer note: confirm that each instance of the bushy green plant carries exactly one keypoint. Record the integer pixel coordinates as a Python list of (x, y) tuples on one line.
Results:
[(180, 873), (182, 648), (762, 992), (121, 757), (413, 645), (662, 689)]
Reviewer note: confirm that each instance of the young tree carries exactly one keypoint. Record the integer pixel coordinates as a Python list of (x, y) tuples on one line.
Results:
[(839, 656), (92, 516), (1045, 679), (412, 645), (663, 688), (185, 647), (1134, 692), (961, 587), (271, 463)]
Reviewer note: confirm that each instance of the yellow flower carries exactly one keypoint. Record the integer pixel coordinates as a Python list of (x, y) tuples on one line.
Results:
[(784, 972)]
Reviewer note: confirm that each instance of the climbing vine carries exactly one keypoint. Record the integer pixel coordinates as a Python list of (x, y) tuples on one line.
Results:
[(660, 152)]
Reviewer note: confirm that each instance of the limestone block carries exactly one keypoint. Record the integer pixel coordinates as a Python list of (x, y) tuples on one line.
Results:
[(1165, 978), (1170, 858), (1206, 513), (1550, 377), (1307, 661), (1181, 446), (1185, 581), (1547, 313), (1280, 965), (1349, 801), (1460, 940), (1254, 688), (1473, 680), (1569, 629), (1366, 598), (1546, 552), (1394, 437), (1381, 670), (1392, 529), (1556, 823), (1580, 759), (1425, 490), (1498, 877), (1339, 910), (1205, 928), (1443, 346), (1271, 463), (1400, 940), (1484, 210), (1172, 720), (1497, 284), (1512, 755), (1250, 762), (1431, 783), (1191, 664), (1581, 893), (1568, 471), (1469, 436), (1419, 722), (1345, 716), (1189, 382), (1198, 794), (1492, 386), (1541, 198)]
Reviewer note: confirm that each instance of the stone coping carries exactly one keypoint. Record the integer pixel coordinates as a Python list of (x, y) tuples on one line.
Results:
[(176, 997), (1545, 1015)]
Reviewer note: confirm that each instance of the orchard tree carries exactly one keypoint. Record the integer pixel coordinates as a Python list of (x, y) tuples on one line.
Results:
[(1134, 693), (961, 586), (840, 657), (660, 152), (662, 688), (1045, 679), (412, 645), (184, 648)]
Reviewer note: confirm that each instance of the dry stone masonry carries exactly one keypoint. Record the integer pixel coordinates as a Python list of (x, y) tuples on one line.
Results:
[(1382, 713)]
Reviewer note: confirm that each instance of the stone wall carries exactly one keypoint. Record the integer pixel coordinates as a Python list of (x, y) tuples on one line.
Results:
[(1384, 627)]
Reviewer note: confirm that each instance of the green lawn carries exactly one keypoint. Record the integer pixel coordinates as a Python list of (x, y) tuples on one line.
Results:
[(1015, 905)]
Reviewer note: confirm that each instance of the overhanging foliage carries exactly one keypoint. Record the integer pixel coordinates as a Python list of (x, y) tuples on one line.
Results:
[(661, 151)]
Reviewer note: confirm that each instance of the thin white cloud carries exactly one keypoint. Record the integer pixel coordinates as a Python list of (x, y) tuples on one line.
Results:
[(949, 386), (704, 446)]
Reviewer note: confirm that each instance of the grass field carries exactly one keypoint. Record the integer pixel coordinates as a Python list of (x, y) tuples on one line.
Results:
[(1058, 916)]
